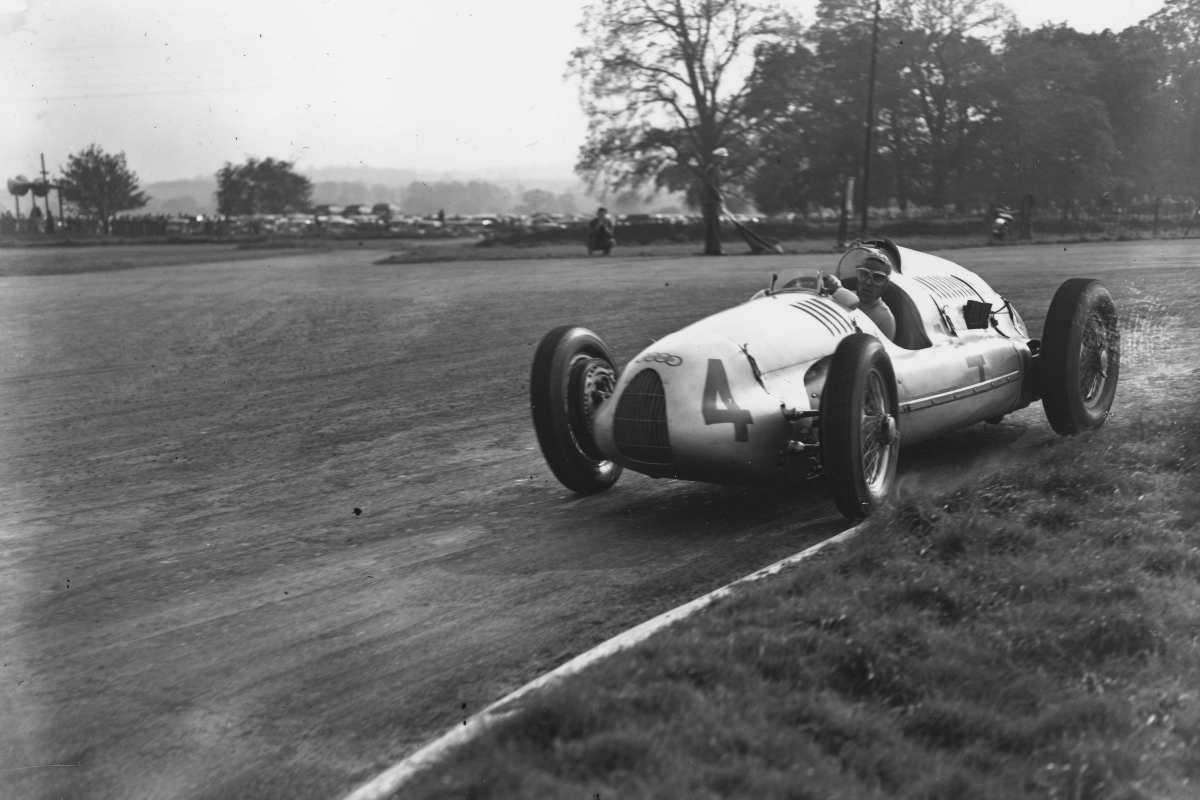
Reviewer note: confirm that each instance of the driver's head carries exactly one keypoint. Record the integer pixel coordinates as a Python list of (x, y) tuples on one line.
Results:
[(873, 272)]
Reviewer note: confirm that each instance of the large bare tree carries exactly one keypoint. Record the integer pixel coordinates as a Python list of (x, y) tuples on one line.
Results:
[(663, 83)]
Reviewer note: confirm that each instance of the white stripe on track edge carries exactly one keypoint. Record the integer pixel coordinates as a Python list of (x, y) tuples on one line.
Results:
[(392, 779)]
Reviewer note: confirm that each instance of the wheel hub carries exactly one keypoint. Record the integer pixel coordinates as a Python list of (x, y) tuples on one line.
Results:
[(592, 381), (1094, 359), (879, 434), (887, 430)]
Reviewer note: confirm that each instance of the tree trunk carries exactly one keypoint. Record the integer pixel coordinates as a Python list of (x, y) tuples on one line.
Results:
[(711, 209)]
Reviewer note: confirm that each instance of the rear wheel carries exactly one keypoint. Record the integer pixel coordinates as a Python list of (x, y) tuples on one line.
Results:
[(572, 375), (860, 437), (1080, 357)]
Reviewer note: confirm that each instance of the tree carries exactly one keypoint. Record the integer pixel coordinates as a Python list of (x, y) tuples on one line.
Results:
[(1058, 140), (807, 106), (949, 62), (100, 184), (261, 187), (935, 99), (1177, 26), (802, 140), (659, 89), (534, 201), (567, 203)]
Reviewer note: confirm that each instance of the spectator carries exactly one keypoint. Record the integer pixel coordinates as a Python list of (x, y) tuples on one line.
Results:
[(600, 233)]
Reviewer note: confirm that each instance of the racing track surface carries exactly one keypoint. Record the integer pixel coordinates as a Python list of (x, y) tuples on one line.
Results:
[(191, 606)]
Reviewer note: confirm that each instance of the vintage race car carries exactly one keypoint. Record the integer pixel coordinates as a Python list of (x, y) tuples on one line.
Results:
[(792, 385)]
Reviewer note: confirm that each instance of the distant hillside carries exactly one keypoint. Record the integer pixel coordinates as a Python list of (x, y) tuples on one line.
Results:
[(385, 176), (194, 196)]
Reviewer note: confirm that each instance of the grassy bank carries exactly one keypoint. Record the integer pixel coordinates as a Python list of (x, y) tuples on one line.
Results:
[(15, 253), (499, 250), (1033, 633)]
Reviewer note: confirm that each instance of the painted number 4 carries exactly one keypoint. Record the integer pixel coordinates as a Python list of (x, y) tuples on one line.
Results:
[(718, 405)]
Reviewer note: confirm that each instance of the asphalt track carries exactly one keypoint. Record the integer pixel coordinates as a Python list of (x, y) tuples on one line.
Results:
[(270, 524)]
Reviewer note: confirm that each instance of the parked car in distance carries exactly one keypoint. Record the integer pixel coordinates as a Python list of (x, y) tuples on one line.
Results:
[(387, 211)]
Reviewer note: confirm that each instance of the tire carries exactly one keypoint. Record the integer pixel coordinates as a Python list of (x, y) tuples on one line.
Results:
[(572, 375), (1080, 357), (860, 437)]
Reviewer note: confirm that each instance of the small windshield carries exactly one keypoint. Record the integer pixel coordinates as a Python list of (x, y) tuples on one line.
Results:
[(800, 282)]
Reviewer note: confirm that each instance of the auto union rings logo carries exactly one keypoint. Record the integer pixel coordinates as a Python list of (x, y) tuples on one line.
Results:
[(670, 359)]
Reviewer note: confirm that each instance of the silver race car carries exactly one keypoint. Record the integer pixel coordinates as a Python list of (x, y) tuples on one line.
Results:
[(792, 385)]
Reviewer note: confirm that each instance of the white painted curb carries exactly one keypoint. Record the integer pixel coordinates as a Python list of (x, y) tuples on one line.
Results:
[(389, 781)]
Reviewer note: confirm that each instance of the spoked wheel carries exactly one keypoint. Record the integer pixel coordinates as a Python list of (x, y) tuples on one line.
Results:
[(572, 376), (1080, 357), (860, 437)]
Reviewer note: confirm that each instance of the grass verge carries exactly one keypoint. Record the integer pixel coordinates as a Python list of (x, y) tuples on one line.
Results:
[(419, 252), (1033, 634)]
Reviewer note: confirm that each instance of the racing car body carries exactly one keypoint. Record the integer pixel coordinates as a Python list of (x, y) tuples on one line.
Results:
[(792, 384)]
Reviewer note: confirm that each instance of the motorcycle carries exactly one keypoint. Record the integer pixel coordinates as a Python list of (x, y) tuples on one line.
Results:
[(1002, 225)]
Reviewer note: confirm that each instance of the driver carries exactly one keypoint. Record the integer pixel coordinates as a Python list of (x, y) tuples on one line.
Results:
[(874, 273)]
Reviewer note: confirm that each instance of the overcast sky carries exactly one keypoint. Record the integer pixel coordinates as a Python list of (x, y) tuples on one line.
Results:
[(472, 86)]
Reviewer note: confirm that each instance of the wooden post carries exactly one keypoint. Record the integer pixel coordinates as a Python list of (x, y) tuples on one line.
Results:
[(866, 184)]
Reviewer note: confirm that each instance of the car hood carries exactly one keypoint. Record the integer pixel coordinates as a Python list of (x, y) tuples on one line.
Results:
[(782, 334)]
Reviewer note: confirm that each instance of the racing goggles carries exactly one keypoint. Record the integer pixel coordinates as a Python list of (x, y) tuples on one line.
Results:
[(875, 276)]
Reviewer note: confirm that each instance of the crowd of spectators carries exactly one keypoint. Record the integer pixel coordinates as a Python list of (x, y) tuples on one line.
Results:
[(322, 222), (386, 220)]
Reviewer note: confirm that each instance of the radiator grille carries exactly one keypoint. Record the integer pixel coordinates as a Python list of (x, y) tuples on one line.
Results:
[(949, 287), (834, 322), (640, 422)]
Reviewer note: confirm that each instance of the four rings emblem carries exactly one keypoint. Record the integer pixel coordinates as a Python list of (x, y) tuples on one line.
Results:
[(670, 359)]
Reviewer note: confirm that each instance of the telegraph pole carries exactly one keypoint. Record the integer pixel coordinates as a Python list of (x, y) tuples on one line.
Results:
[(866, 182), (46, 183)]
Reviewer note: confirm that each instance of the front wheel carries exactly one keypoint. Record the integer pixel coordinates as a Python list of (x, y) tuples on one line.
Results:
[(1080, 357), (860, 437), (572, 375)]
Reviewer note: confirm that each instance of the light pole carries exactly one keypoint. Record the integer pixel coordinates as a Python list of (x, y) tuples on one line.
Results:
[(866, 182), (42, 189)]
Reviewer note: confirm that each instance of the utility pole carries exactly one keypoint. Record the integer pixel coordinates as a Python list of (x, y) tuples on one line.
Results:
[(866, 182), (46, 198), (46, 183), (46, 187)]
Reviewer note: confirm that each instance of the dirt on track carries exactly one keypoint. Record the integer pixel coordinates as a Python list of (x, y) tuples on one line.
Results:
[(268, 524)]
